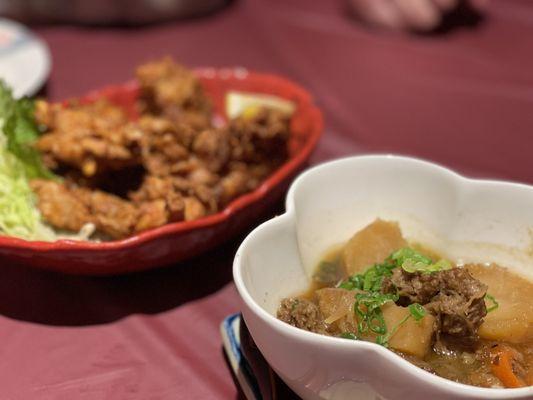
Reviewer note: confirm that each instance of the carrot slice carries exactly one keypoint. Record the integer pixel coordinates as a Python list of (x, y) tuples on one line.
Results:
[(502, 367)]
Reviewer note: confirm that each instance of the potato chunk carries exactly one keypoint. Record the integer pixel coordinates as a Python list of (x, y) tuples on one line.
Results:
[(336, 305), (372, 245), (412, 337), (512, 321)]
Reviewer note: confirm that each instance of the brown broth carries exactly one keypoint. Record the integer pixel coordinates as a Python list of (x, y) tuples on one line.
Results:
[(473, 368)]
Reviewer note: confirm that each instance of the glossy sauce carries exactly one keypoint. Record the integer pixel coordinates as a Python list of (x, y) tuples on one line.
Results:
[(473, 368)]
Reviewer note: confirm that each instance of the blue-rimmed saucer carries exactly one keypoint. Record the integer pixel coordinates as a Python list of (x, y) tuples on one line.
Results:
[(257, 380)]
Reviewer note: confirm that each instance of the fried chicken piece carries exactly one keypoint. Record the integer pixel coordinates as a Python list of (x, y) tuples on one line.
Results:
[(201, 175), (92, 138), (173, 91), (234, 184), (164, 144), (180, 196), (208, 197), (45, 113), (59, 206), (213, 147), (70, 208), (162, 190), (186, 168), (238, 180), (194, 209), (195, 170), (261, 137), (111, 215), (204, 168), (153, 214)]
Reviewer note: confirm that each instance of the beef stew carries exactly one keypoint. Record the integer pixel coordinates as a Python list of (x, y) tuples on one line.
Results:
[(469, 323)]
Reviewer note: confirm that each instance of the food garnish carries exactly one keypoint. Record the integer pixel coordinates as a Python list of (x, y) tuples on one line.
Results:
[(19, 162), (371, 279), (348, 335), (368, 304), (248, 104), (413, 261), (494, 305), (368, 309)]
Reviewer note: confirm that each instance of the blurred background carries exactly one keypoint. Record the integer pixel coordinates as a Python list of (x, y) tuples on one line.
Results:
[(446, 80)]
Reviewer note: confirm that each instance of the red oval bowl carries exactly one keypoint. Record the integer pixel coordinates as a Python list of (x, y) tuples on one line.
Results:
[(181, 240)]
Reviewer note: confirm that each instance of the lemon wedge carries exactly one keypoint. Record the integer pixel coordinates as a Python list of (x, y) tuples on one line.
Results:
[(247, 104)]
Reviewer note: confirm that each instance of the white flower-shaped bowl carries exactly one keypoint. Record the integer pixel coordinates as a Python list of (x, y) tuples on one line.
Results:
[(463, 219)]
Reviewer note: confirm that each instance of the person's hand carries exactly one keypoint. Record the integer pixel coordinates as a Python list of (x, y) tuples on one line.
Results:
[(421, 15)]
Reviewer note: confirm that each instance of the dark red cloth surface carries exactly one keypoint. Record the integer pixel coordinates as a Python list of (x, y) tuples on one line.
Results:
[(464, 99)]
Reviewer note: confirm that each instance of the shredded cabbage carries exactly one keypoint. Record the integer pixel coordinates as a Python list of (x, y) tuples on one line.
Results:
[(19, 162), (19, 215)]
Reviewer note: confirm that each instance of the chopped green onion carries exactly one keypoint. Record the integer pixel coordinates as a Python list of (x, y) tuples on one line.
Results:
[(371, 279), (368, 304), (368, 310), (346, 285), (412, 261), (384, 339), (348, 335), (494, 305), (417, 311), (410, 255)]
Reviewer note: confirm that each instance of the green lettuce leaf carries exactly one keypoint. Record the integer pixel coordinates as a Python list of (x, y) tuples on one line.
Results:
[(20, 130), (19, 215), (19, 162)]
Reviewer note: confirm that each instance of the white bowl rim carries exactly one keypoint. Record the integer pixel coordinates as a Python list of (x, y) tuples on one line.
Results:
[(450, 386)]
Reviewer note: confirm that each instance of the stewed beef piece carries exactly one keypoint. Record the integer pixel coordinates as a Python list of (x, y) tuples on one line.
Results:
[(455, 297), (301, 313)]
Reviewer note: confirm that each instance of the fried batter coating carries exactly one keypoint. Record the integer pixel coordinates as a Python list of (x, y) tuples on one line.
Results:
[(183, 199), (240, 179), (70, 208), (261, 137), (152, 214), (164, 144), (59, 206), (92, 137), (171, 90), (162, 190), (111, 215), (194, 209), (170, 165), (213, 147)]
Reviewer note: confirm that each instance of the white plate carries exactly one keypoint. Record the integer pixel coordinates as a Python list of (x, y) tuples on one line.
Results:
[(24, 58), (475, 219)]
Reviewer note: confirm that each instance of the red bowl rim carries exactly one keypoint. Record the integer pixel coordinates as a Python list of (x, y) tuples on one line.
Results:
[(291, 165)]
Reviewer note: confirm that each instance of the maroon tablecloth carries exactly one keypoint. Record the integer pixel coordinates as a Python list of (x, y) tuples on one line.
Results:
[(463, 98)]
